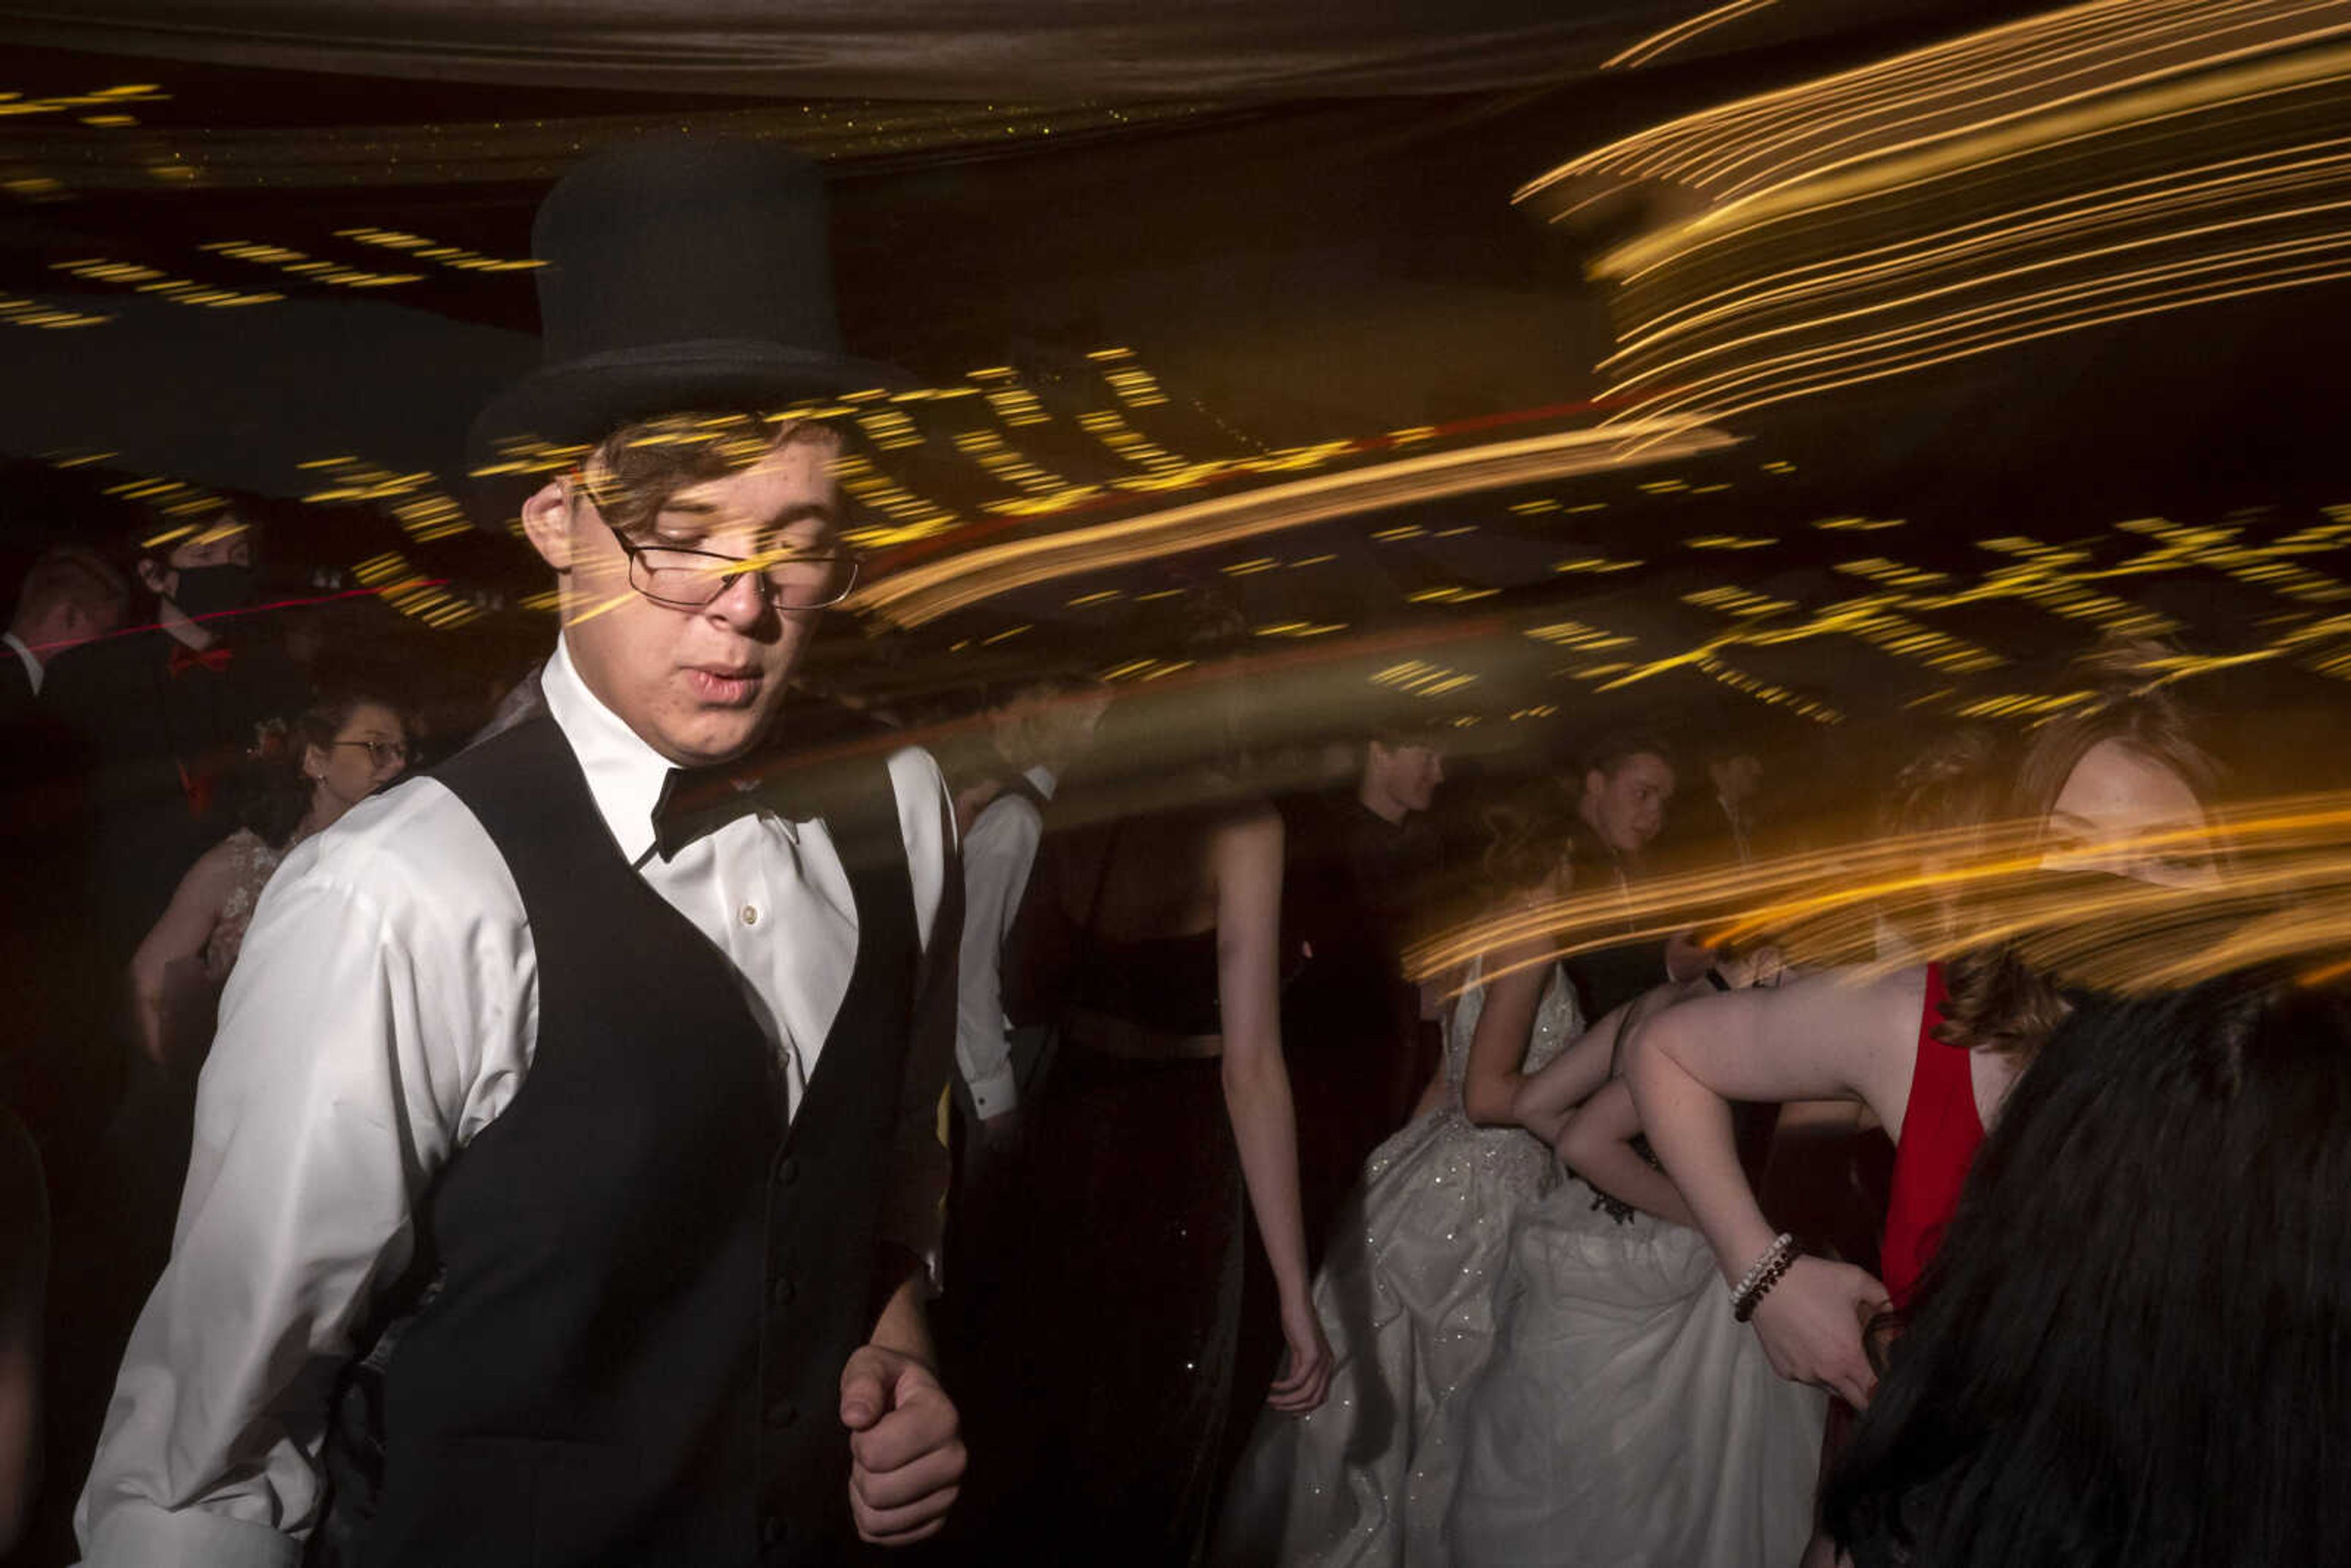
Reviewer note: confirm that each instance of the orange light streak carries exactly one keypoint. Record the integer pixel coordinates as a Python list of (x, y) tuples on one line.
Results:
[(923, 593)]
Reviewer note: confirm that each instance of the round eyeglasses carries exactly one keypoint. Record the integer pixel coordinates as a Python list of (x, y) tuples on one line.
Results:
[(686, 579), (690, 578), (383, 753)]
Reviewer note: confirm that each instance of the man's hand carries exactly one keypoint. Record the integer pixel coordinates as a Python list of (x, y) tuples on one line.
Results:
[(905, 1447)]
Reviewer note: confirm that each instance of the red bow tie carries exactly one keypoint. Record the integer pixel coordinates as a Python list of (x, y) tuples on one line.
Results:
[(214, 658)]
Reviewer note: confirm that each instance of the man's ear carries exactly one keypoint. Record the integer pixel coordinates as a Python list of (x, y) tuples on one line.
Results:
[(1595, 784), (547, 521), (151, 572)]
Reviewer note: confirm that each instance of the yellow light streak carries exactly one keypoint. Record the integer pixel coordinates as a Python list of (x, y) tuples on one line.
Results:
[(2164, 197), (923, 593), (2277, 887), (1957, 87), (1667, 39), (455, 256), (147, 280)]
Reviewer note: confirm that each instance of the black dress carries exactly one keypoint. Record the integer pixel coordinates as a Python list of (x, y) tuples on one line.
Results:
[(1110, 1360)]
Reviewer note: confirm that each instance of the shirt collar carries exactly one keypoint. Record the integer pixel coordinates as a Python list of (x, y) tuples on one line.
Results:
[(624, 775), (1042, 779), (32, 661)]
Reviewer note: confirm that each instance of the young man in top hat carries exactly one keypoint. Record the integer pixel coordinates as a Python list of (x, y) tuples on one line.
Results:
[(572, 1109)]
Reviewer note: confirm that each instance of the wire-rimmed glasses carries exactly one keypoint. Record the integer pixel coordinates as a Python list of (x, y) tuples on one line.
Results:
[(382, 753)]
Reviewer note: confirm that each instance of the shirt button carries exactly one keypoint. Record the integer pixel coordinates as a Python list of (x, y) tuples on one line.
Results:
[(750, 914)]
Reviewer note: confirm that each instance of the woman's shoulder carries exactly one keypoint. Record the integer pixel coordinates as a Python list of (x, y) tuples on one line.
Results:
[(1245, 814), (219, 867)]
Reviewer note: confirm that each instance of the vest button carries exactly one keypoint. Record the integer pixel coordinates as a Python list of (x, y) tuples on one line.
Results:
[(783, 1413), (788, 1171), (781, 1294), (771, 1530)]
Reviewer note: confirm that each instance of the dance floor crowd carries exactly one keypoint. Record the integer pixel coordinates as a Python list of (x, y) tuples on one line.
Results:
[(1271, 1237), (569, 1125)]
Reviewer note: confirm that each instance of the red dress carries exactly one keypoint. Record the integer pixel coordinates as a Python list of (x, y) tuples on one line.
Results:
[(1940, 1134)]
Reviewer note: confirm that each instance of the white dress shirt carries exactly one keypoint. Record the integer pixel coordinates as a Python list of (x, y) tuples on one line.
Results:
[(383, 1012), (26, 658), (998, 853)]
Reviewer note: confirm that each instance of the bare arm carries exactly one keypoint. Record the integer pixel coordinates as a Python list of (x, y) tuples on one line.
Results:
[(1244, 857), (178, 937), (1828, 1037), (1597, 1143), (1499, 1047), (1546, 1099), (1577, 1106)]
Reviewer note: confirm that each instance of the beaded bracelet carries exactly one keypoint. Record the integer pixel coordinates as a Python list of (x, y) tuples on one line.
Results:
[(1761, 1275)]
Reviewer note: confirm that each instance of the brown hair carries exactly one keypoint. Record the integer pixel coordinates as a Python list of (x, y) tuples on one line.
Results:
[(632, 473), (1528, 835), (1610, 751), (1994, 1000), (282, 794), (1950, 788), (1952, 782)]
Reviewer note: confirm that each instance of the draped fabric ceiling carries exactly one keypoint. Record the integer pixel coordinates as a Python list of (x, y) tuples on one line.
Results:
[(1038, 50)]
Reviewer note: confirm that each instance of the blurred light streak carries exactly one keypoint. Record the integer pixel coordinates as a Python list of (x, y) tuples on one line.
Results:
[(148, 281), (2069, 170), (1575, 634), (923, 593), (392, 578), (424, 249), (14, 105), (2161, 196), (21, 312), (307, 268), (1667, 39), (1745, 387), (1958, 86), (1874, 620), (2227, 94), (2268, 881)]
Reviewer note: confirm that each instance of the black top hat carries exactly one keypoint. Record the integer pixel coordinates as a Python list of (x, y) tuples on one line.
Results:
[(678, 274)]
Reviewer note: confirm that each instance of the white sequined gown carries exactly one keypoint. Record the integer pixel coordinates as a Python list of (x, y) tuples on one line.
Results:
[(1407, 1297), (1624, 1420)]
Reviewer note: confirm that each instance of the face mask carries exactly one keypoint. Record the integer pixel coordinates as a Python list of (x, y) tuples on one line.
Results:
[(210, 590)]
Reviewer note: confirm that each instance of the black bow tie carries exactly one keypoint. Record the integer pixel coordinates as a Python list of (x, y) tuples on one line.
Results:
[(698, 801)]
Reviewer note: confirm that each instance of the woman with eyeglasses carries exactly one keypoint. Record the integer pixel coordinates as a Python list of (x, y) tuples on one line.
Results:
[(342, 750)]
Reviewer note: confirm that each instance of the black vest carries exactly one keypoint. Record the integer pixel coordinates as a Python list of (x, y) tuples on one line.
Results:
[(645, 1284)]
